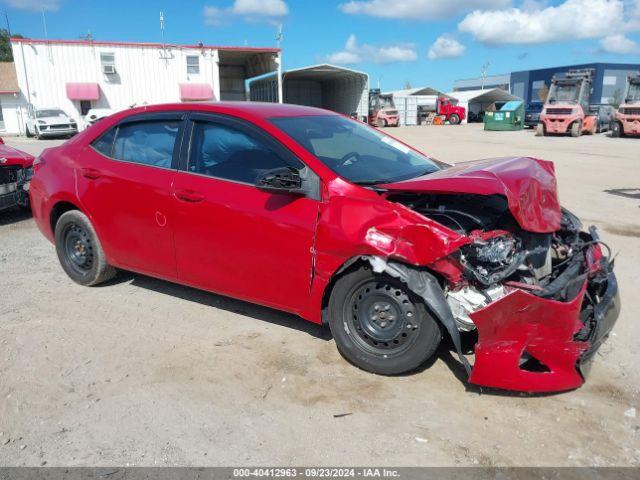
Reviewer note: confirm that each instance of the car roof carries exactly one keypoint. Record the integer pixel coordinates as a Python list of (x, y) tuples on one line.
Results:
[(262, 110)]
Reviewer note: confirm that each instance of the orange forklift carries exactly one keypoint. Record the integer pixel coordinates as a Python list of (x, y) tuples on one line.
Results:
[(627, 121), (566, 110)]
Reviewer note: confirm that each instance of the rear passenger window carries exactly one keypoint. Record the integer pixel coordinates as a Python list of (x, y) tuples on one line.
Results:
[(147, 143), (228, 153), (104, 144)]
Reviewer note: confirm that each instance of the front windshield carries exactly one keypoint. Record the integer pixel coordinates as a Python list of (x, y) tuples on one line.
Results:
[(53, 112), (355, 151), (387, 102), (563, 93), (633, 95)]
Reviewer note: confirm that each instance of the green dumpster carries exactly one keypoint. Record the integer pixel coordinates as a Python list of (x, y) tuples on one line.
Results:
[(509, 117)]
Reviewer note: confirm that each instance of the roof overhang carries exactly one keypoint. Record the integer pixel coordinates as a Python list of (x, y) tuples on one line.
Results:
[(255, 62), (324, 72), (484, 96), (83, 91)]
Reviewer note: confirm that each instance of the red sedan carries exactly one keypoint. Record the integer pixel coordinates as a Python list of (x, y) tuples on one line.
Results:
[(316, 214)]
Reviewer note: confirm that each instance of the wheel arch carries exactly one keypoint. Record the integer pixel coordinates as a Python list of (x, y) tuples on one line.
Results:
[(421, 281), (60, 208)]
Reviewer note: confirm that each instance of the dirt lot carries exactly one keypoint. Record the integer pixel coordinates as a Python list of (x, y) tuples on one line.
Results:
[(144, 372)]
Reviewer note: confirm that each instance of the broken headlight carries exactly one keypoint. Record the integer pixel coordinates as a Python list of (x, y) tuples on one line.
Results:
[(489, 261)]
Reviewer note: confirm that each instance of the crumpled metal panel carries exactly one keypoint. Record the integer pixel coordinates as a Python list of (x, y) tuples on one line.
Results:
[(528, 184), (543, 328)]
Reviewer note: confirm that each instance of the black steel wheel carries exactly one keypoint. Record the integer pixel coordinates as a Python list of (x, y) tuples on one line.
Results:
[(379, 325), (381, 318), (79, 250)]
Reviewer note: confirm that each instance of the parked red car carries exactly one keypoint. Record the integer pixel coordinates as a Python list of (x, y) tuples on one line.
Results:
[(15, 173), (316, 214)]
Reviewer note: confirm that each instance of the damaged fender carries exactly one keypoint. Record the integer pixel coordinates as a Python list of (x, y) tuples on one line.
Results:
[(423, 284)]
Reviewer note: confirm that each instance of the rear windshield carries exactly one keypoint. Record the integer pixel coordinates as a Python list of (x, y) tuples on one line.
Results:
[(355, 151)]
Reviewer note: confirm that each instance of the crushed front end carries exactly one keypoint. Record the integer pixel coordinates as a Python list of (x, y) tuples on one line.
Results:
[(14, 185), (542, 303)]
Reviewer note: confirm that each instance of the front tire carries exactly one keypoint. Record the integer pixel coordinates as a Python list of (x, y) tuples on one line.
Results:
[(379, 325), (454, 119), (381, 123), (616, 130), (79, 250), (28, 132), (576, 129), (540, 130)]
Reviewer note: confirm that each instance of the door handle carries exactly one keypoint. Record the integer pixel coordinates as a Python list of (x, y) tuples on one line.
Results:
[(190, 196), (90, 173)]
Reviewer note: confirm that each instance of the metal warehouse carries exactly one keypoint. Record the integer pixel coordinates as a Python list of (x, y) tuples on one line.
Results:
[(325, 86), (77, 75), (609, 81)]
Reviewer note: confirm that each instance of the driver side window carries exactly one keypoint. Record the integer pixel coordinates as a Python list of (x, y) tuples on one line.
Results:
[(228, 153)]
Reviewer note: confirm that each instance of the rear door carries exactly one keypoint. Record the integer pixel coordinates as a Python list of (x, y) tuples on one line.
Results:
[(231, 237), (125, 183)]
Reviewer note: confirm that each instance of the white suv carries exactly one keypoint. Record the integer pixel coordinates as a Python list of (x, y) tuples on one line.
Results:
[(50, 122)]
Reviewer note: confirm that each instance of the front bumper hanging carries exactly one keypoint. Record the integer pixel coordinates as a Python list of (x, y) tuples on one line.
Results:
[(561, 337)]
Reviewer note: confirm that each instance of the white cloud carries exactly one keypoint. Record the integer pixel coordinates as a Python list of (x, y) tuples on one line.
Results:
[(573, 19), (269, 8), (620, 45), (633, 9), (354, 53), (251, 10), (35, 5), (445, 47), (418, 9)]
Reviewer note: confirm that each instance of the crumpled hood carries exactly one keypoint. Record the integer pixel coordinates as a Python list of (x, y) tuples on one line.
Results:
[(528, 184), (13, 156)]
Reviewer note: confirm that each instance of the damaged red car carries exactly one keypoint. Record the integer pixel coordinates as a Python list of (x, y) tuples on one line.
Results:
[(313, 213), (15, 174)]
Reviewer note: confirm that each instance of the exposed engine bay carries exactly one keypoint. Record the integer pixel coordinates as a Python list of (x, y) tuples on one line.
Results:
[(503, 256)]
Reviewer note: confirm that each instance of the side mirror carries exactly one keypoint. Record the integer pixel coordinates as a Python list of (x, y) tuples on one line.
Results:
[(280, 180)]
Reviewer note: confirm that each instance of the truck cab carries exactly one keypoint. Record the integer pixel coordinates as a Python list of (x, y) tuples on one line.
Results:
[(451, 113), (382, 110), (627, 118), (567, 107)]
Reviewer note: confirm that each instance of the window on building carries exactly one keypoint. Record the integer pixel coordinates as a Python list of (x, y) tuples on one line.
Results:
[(193, 64), (108, 61), (147, 143), (228, 153)]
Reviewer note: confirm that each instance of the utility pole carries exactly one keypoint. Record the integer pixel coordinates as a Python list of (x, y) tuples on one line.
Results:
[(485, 69), (279, 61), (6, 17)]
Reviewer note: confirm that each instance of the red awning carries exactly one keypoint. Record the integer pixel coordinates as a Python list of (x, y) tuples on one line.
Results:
[(196, 91), (83, 91)]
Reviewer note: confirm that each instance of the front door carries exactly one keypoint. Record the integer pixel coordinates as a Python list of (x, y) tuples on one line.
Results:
[(124, 183), (231, 237)]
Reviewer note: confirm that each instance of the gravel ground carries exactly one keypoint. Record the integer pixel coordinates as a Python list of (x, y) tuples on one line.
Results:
[(144, 372)]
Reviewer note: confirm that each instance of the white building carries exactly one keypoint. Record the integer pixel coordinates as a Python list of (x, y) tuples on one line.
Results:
[(76, 75)]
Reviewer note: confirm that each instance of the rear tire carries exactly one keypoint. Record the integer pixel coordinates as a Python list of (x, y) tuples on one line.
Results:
[(379, 325), (576, 129), (79, 250), (616, 130), (454, 119)]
